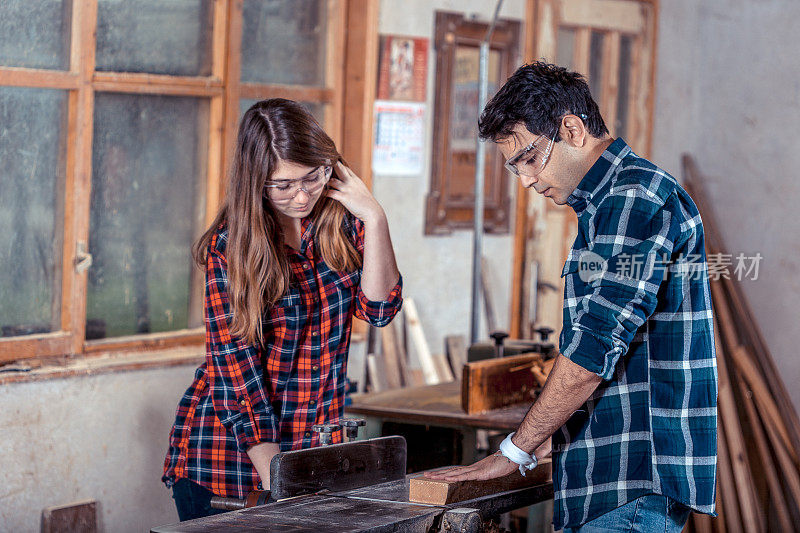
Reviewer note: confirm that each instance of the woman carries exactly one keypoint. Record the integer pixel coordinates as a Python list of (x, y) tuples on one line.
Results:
[(299, 246)]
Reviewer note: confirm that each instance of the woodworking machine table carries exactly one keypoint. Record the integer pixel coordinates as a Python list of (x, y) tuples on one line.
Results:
[(376, 508)]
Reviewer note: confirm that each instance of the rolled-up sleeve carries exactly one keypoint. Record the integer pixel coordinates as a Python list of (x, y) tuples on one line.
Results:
[(634, 235), (380, 313), (234, 367)]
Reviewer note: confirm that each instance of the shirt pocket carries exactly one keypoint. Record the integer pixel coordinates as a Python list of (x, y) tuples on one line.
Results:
[(285, 320)]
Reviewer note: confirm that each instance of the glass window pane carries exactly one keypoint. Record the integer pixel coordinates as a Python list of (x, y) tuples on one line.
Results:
[(624, 94), (147, 207), (565, 49), (35, 33), (32, 131), (284, 41), (155, 36), (317, 108), (596, 66)]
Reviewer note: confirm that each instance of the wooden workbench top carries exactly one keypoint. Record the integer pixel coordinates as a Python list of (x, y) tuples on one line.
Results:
[(434, 404)]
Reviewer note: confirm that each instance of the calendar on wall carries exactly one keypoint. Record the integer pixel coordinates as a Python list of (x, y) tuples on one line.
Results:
[(399, 138)]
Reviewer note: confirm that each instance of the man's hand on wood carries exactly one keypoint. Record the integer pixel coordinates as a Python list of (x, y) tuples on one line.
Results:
[(494, 466)]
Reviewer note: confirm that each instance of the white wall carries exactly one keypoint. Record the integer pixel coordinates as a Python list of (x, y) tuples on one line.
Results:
[(437, 270), (728, 91), (100, 437)]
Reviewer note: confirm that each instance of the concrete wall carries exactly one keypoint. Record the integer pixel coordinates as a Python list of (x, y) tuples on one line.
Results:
[(437, 269), (99, 437), (728, 91)]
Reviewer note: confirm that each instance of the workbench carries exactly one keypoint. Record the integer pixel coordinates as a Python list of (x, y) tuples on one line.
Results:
[(433, 405), (438, 405), (377, 508)]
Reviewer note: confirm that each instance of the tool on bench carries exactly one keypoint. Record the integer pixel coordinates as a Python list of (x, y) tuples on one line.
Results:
[(502, 346)]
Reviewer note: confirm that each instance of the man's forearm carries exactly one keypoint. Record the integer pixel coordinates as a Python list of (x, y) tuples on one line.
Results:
[(566, 390)]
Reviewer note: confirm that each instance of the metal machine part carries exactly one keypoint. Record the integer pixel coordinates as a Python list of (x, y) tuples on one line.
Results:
[(325, 432)]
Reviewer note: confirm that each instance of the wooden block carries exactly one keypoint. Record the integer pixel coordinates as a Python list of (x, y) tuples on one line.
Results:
[(437, 492), (80, 517), (494, 383)]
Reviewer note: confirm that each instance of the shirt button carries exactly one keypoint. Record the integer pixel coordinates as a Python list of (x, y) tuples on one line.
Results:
[(307, 434), (306, 266), (242, 403), (314, 333), (315, 368), (312, 402)]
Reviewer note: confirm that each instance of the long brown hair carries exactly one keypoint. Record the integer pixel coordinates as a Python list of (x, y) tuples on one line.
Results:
[(258, 268)]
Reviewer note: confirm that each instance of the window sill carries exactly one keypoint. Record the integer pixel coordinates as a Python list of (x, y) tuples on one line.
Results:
[(105, 363)]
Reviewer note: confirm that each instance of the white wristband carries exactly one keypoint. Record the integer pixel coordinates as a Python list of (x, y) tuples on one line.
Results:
[(526, 461)]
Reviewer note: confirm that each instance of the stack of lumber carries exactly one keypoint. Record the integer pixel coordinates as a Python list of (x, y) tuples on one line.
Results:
[(391, 349), (758, 472)]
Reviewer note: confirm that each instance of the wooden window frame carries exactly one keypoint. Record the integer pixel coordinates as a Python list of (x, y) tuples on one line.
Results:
[(347, 65), (445, 213)]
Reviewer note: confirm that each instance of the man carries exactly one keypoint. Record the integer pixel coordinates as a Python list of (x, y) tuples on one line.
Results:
[(631, 400)]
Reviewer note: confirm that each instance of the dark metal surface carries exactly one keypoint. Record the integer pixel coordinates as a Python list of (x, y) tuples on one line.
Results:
[(317, 514), (338, 467), (461, 520)]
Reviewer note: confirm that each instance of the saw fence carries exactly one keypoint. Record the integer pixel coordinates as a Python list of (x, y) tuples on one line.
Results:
[(758, 474)]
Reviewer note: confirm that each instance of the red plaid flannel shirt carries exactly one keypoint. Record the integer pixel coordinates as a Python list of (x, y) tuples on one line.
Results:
[(243, 395)]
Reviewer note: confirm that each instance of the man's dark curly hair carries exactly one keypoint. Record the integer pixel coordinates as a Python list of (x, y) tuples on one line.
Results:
[(539, 95)]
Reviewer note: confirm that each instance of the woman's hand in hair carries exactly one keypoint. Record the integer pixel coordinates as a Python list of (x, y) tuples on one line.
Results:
[(348, 189)]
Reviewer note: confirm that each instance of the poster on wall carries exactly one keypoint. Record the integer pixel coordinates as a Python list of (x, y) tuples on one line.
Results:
[(464, 112), (399, 137), (402, 68)]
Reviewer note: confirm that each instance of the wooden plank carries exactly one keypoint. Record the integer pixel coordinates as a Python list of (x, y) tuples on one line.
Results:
[(617, 15), (27, 346), (493, 383), (439, 492), (456, 348), (141, 83), (232, 83), (84, 24), (729, 513), (420, 344), (299, 93), (487, 292), (770, 473), (337, 466), (610, 81), (360, 75), (581, 54), (376, 372), (745, 366), (334, 67), (740, 464), (443, 367), (150, 341), (394, 363), (31, 77)]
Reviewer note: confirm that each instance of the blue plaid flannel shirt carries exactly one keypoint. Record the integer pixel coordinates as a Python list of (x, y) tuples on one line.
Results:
[(637, 312)]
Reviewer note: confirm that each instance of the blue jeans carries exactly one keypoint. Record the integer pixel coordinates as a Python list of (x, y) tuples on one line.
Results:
[(192, 500), (650, 513)]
